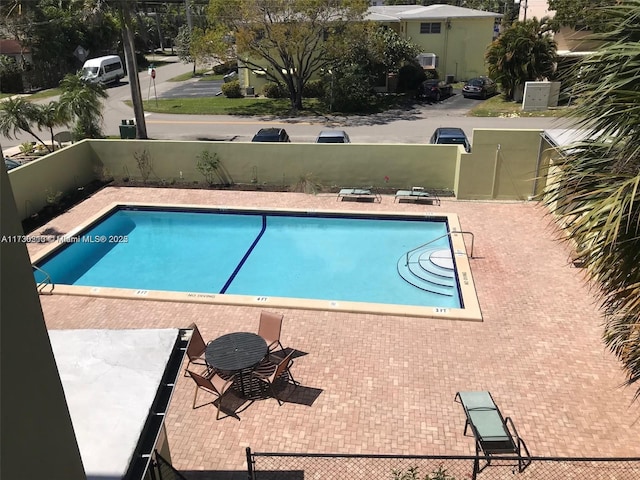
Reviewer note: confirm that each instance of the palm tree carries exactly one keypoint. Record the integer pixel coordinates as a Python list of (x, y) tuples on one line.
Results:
[(525, 51), (51, 115), (596, 192), (18, 115), (81, 100)]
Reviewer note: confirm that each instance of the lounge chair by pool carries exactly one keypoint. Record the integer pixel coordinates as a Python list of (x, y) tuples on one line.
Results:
[(494, 434), (417, 194), (360, 194)]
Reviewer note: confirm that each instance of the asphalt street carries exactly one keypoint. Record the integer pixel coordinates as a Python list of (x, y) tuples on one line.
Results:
[(397, 126)]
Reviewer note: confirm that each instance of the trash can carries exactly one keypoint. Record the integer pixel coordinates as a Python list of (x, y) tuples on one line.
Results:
[(250, 92), (127, 129)]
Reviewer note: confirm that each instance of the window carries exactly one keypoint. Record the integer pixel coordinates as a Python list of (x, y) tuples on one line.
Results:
[(430, 27), (110, 67)]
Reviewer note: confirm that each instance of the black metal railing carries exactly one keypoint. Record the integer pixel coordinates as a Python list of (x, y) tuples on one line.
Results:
[(306, 466), (161, 469)]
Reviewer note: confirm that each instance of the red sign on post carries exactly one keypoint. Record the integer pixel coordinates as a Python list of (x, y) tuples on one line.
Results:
[(153, 73)]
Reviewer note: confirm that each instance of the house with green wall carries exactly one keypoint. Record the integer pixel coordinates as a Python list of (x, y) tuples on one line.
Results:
[(453, 39)]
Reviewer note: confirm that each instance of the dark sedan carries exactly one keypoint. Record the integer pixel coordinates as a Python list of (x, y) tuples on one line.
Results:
[(480, 87), (434, 90), (271, 135)]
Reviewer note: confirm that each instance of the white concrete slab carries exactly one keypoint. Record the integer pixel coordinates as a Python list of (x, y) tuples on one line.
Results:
[(110, 378)]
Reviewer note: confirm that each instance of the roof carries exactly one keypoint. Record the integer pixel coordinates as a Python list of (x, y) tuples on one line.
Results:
[(110, 380), (12, 47), (396, 13)]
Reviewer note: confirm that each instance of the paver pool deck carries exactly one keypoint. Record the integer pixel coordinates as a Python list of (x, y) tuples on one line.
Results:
[(386, 384)]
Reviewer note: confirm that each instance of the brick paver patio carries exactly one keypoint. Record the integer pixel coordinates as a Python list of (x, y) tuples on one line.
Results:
[(383, 384)]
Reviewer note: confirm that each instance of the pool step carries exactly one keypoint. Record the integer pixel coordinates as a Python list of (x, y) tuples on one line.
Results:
[(430, 269)]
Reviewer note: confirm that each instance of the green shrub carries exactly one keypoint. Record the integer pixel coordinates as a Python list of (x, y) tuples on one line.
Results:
[(349, 91), (232, 89), (224, 68), (274, 90), (313, 89), (10, 75), (410, 76)]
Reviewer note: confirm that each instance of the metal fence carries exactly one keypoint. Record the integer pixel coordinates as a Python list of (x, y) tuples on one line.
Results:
[(296, 466)]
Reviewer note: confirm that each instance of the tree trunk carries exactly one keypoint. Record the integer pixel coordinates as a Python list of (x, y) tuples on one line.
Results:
[(298, 102), (132, 71)]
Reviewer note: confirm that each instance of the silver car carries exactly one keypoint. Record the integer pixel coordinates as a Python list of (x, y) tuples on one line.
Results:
[(333, 136)]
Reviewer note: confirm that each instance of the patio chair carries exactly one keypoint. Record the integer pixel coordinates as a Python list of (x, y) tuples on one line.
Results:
[(196, 349), (494, 434), (215, 385), (269, 373), (269, 328)]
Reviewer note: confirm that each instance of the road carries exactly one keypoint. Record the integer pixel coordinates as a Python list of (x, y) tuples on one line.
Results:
[(397, 126)]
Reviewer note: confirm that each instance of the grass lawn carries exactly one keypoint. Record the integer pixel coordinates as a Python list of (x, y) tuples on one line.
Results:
[(257, 106), (497, 106), (229, 106), (50, 92)]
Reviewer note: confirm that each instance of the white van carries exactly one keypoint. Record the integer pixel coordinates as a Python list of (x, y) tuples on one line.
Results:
[(103, 69)]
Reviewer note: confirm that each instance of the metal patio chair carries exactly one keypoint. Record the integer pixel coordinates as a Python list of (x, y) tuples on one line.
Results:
[(215, 385), (196, 349), (269, 373), (269, 328)]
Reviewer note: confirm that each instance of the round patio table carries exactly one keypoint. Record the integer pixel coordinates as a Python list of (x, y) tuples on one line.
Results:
[(237, 353)]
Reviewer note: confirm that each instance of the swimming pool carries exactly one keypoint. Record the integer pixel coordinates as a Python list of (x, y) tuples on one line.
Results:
[(358, 262)]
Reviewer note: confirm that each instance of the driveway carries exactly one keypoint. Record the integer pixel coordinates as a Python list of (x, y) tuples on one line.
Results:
[(201, 88)]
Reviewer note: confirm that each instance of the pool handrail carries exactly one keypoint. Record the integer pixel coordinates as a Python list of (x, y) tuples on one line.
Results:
[(45, 282), (448, 234)]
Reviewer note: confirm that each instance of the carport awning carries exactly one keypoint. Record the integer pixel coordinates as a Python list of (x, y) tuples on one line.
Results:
[(118, 384), (563, 137)]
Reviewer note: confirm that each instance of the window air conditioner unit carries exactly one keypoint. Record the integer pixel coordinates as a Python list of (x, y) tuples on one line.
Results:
[(428, 60)]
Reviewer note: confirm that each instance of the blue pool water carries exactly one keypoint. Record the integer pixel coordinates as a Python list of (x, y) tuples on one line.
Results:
[(252, 253)]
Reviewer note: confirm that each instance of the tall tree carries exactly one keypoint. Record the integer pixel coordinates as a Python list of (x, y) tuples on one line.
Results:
[(289, 40), (525, 51), (596, 191), (581, 14)]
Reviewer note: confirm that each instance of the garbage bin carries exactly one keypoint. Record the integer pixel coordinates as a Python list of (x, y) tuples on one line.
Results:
[(127, 129), (250, 92)]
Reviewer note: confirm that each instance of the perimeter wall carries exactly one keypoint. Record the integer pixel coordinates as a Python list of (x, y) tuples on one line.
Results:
[(503, 165)]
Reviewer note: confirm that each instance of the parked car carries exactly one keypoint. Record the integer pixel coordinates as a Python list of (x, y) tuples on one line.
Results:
[(434, 90), (271, 135), (450, 136), (11, 164), (481, 87), (333, 136)]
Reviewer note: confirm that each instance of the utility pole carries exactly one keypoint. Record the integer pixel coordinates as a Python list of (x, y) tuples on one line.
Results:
[(188, 12), (132, 71)]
